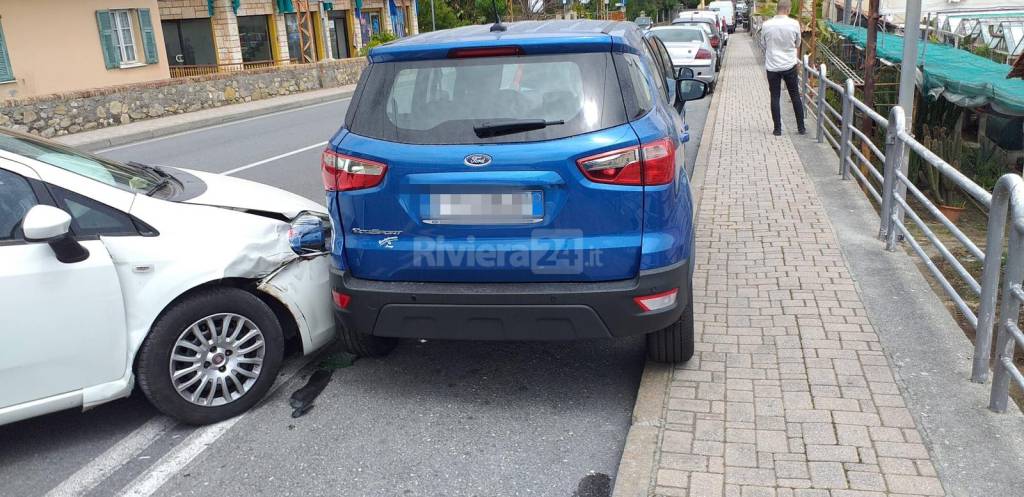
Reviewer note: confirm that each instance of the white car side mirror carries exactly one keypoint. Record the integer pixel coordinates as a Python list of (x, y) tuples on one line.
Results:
[(44, 223), (51, 225)]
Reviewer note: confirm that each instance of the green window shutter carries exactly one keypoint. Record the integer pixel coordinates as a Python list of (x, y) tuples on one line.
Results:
[(111, 56), (148, 38), (6, 74)]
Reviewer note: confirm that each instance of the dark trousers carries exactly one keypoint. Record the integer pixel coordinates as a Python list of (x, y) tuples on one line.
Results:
[(792, 78)]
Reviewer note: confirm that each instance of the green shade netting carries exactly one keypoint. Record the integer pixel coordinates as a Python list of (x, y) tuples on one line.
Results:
[(961, 77)]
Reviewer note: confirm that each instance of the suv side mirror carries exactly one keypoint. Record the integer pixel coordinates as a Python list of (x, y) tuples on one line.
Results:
[(51, 225), (684, 73), (690, 89)]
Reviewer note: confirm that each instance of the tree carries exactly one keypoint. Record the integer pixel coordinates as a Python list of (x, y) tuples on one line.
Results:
[(444, 15)]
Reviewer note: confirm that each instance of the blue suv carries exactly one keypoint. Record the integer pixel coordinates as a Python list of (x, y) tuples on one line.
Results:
[(514, 182)]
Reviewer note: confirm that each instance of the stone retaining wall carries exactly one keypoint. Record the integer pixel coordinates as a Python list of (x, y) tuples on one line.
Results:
[(66, 113)]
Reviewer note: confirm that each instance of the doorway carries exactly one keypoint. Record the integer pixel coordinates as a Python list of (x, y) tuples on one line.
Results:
[(189, 42), (337, 22)]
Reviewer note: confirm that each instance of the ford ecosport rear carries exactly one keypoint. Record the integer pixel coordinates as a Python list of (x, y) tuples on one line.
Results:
[(525, 184)]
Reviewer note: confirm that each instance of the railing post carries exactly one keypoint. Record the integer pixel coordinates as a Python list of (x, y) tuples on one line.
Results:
[(990, 275), (807, 79), (822, 87), (893, 158), (1008, 312), (846, 138)]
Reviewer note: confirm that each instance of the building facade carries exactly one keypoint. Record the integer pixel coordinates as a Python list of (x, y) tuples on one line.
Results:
[(52, 46), (58, 46), (259, 33)]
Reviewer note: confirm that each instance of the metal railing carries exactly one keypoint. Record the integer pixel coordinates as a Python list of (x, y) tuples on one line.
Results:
[(204, 69), (895, 193)]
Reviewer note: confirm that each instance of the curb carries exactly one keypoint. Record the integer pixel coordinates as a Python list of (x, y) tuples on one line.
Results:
[(228, 115), (636, 472)]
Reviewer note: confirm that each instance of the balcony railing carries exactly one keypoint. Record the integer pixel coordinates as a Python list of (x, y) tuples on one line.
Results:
[(204, 69)]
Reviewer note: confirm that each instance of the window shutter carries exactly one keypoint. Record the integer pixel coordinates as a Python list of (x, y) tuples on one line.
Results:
[(148, 39), (6, 74), (111, 57)]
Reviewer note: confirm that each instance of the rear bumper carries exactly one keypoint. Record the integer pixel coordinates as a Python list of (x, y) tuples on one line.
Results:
[(509, 311)]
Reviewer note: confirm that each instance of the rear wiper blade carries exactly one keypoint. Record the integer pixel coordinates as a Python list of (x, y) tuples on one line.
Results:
[(497, 128)]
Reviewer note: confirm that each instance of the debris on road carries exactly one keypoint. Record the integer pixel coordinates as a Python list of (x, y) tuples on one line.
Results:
[(302, 399)]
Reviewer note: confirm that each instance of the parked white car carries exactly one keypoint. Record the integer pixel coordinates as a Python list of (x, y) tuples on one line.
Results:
[(690, 46), (727, 10), (189, 283)]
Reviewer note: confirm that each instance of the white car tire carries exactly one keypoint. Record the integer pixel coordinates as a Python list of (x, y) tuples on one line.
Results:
[(211, 356)]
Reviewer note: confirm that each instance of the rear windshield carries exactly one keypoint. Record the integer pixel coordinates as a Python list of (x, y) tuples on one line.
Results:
[(681, 35), (436, 102)]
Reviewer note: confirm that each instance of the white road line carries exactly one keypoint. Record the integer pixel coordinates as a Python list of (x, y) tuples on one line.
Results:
[(149, 482), (102, 466), (221, 125), (272, 159)]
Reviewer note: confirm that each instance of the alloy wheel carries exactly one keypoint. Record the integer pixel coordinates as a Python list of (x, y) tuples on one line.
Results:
[(217, 359)]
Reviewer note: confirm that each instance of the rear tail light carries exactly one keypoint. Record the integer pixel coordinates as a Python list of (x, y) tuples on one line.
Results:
[(659, 162), (341, 172), (703, 54), (620, 167), (658, 301), (650, 164), (714, 42)]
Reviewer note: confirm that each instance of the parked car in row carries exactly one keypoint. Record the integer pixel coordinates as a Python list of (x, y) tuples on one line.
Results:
[(728, 11), (708, 21), (184, 282), (644, 21), (743, 14), (690, 46), (515, 182)]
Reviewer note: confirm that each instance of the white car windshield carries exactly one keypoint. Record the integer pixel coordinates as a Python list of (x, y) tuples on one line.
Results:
[(680, 35), (126, 177)]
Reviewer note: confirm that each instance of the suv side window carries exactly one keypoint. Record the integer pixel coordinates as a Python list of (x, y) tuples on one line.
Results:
[(659, 80), (635, 89), (666, 59), (91, 218), (16, 198)]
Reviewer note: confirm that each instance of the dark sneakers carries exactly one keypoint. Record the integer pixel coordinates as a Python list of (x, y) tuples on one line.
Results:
[(802, 130), (777, 132)]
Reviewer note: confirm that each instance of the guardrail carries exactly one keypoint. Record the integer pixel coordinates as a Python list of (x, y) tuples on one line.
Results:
[(890, 188)]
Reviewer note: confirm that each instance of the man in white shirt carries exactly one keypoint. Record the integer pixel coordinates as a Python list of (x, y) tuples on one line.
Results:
[(781, 36)]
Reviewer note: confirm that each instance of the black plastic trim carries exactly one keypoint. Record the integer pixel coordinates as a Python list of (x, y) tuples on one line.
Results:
[(509, 311)]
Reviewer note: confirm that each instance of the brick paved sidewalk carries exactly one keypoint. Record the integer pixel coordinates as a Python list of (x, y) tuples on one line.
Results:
[(789, 393)]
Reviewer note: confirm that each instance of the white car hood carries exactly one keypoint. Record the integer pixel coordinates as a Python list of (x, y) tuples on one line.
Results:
[(237, 193)]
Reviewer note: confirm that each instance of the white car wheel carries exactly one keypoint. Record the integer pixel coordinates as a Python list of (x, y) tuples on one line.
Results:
[(211, 356)]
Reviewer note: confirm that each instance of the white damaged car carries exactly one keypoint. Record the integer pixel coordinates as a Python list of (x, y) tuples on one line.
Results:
[(188, 283)]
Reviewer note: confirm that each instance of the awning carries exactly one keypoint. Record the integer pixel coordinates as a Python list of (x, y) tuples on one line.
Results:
[(961, 77)]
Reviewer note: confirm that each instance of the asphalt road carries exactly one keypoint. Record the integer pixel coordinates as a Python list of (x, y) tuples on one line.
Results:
[(433, 418)]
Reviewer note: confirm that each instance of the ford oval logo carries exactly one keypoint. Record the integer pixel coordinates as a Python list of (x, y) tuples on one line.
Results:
[(477, 160)]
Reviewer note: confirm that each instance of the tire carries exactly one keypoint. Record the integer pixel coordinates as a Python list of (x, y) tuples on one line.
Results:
[(712, 87), (241, 321), (673, 344), (363, 345)]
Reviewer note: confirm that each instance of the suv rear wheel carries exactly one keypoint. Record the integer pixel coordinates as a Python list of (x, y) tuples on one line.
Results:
[(675, 342), (364, 345)]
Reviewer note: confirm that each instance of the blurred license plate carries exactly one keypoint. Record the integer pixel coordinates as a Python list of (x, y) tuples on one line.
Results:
[(485, 208)]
